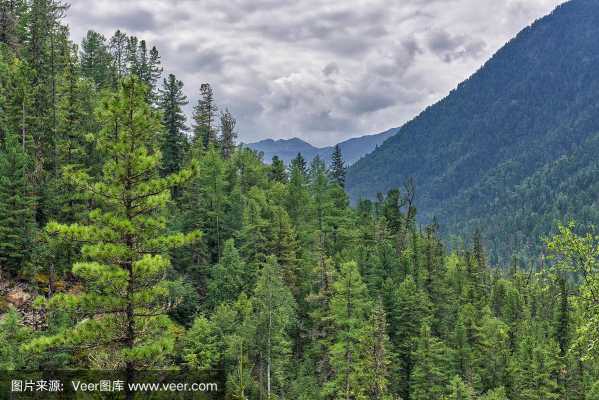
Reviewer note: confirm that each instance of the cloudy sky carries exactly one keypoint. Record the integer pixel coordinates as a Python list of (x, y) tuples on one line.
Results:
[(321, 70)]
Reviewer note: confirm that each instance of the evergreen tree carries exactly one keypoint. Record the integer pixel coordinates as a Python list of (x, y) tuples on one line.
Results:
[(350, 307), (228, 134), (10, 12), (338, 167), (409, 309), (278, 172), (376, 350), (16, 207), (204, 116), (298, 197), (200, 348), (300, 164), (458, 390), (118, 51), (274, 314), (95, 59), (12, 335), (171, 101), (228, 278), (432, 367), (120, 311)]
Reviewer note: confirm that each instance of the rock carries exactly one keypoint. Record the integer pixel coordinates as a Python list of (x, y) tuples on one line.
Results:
[(18, 297)]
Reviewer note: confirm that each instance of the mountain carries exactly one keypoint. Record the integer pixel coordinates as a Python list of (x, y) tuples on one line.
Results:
[(512, 150), (352, 149)]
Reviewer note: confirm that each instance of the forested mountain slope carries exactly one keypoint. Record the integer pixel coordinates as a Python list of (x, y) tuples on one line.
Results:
[(484, 148), (353, 149)]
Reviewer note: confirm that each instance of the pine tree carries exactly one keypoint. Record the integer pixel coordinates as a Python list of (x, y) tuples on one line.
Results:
[(200, 348), (458, 390), (350, 307), (204, 116), (298, 197), (338, 167), (495, 394), (277, 172), (95, 59), (409, 310), (228, 134), (10, 12), (120, 310), (12, 335), (432, 367), (274, 315), (171, 101), (229, 278), (375, 348), (300, 164), (16, 207), (535, 369), (118, 51)]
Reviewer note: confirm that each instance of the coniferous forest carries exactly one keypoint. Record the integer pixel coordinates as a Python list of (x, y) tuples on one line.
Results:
[(132, 238)]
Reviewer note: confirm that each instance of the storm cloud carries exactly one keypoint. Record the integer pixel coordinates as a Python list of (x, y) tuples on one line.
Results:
[(321, 70)]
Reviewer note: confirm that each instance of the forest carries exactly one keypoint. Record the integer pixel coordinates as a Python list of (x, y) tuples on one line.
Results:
[(133, 239)]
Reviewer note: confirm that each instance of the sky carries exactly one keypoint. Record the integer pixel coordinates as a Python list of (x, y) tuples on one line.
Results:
[(320, 70)]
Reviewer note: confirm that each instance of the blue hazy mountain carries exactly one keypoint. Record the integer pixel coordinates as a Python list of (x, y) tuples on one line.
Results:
[(513, 149), (352, 149)]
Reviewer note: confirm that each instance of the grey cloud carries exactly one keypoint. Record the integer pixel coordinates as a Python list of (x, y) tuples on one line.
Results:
[(330, 69), (317, 69), (450, 47)]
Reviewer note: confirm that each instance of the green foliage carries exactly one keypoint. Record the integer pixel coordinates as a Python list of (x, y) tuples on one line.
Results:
[(17, 204), (432, 367), (12, 335), (120, 313), (171, 101)]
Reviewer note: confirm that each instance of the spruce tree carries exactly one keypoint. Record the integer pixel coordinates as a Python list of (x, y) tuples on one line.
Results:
[(432, 367), (458, 390), (120, 311), (10, 12), (300, 163), (277, 172), (17, 205), (171, 101), (350, 307), (118, 51), (95, 59), (229, 278), (228, 134), (338, 167), (12, 335), (204, 116), (274, 315), (375, 349), (410, 310)]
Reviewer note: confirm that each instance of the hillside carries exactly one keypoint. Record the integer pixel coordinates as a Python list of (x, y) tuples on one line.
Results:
[(476, 152), (352, 149)]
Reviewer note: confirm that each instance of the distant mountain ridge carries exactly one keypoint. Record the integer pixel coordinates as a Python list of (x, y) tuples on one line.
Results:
[(509, 150), (352, 149)]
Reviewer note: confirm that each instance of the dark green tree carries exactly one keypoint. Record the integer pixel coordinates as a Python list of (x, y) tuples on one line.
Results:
[(204, 116), (228, 134), (338, 167), (95, 59), (17, 206), (171, 101), (278, 172)]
